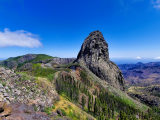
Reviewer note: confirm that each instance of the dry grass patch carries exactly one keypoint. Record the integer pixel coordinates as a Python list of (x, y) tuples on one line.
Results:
[(72, 110)]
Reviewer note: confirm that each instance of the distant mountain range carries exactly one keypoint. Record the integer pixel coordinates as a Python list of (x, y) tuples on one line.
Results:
[(141, 73), (143, 81)]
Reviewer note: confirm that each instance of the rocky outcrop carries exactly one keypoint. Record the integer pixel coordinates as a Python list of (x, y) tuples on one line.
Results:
[(64, 60), (21, 111), (27, 57), (9, 64), (27, 66), (4, 109), (43, 61), (24, 89), (149, 100), (94, 54)]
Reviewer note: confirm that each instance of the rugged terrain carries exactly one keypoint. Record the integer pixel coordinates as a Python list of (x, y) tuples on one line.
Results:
[(38, 86), (143, 81), (141, 74), (95, 56)]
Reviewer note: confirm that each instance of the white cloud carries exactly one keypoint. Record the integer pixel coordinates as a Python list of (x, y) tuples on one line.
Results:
[(156, 3), (157, 58), (19, 38), (137, 57)]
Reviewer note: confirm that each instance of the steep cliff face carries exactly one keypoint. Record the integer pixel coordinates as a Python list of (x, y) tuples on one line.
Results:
[(64, 60), (94, 54)]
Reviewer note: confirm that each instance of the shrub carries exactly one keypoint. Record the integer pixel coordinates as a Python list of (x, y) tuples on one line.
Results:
[(43, 72), (36, 66), (63, 112), (48, 110), (53, 107), (50, 77), (4, 84), (35, 108)]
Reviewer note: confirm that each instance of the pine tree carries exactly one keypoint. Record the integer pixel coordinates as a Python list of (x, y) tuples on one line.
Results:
[(83, 101), (109, 113), (95, 107)]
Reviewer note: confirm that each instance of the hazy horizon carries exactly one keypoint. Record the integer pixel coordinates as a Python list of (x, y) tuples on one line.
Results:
[(131, 28), (119, 61)]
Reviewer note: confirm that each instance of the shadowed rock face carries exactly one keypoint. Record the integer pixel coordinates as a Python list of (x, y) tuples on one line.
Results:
[(27, 57), (64, 60), (94, 54)]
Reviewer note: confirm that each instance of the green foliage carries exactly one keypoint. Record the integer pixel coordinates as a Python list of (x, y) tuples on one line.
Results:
[(48, 110), (36, 66), (71, 114), (35, 108), (85, 79), (83, 101), (69, 87), (21, 64), (83, 75), (4, 83), (53, 107), (50, 77), (14, 58), (40, 57), (63, 112), (67, 70), (70, 64), (43, 72)]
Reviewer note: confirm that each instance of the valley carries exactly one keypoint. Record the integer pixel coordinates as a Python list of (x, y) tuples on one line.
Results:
[(143, 82)]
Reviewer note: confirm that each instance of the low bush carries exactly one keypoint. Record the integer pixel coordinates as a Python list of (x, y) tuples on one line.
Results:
[(43, 72), (63, 112)]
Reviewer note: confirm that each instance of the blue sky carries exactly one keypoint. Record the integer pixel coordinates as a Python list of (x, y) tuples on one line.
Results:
[(59, 27)]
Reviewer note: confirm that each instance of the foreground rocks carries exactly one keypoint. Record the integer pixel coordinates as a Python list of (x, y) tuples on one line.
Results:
[(4, 109), (21, 111), (24, 89), (94, 54)]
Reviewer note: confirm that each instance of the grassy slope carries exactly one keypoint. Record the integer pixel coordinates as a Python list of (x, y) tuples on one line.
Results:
[(39, 57), (115, 91), (42, 57), (74, 112)]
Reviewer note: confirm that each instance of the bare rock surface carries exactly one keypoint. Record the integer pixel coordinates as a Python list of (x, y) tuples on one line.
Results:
[(27, 57), (21, 111), (24, 89), (94, 54), (27, 66), (64, 60), (148, 99)]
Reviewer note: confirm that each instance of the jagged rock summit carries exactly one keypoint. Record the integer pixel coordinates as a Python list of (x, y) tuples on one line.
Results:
[(94, 54)]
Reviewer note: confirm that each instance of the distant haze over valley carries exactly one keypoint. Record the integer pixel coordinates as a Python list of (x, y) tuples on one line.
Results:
[(3, 58), (119, 61)]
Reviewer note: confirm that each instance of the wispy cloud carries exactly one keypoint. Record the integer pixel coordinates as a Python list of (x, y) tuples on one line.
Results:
[(137, 57), (156, 3), (157, 58), (19, 38)]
